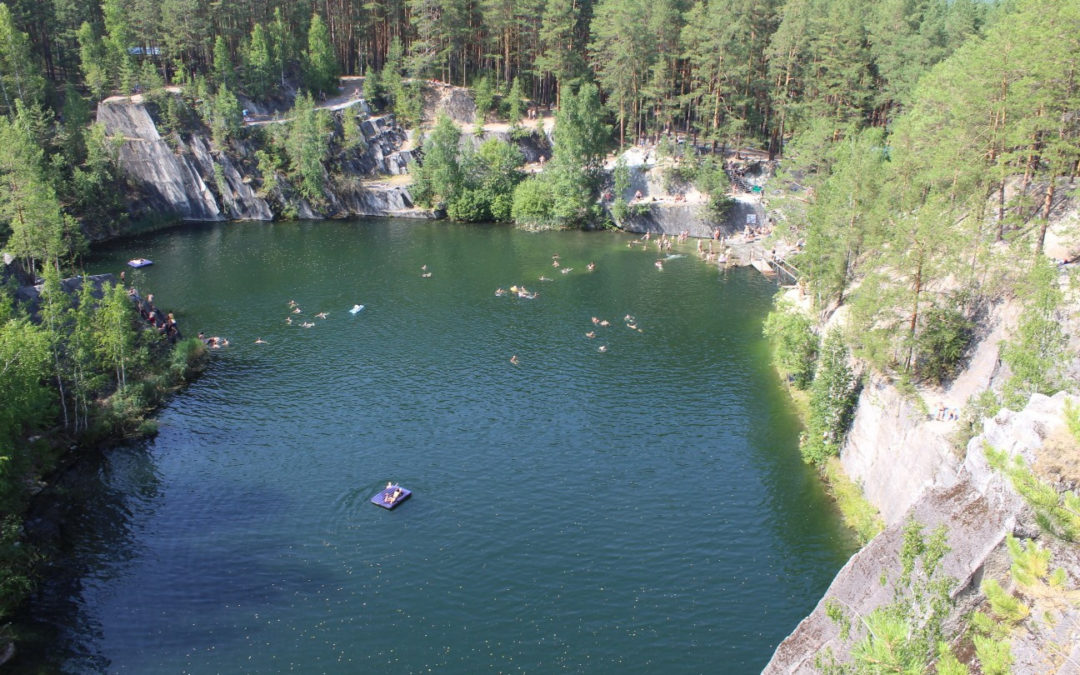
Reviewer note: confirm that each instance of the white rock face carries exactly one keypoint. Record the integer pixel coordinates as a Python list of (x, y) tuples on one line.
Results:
[(195, 182), (169, 181), (978, 506)]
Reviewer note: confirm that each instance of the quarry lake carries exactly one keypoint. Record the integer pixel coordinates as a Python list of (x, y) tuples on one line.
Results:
[(638, 509)]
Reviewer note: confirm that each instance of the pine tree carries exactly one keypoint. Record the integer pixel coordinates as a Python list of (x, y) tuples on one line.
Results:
[(321, 68)]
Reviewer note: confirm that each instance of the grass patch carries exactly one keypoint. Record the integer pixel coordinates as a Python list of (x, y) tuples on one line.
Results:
[(858, 514)]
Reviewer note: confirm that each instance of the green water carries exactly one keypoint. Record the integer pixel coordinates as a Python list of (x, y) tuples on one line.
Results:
[(641, 509)]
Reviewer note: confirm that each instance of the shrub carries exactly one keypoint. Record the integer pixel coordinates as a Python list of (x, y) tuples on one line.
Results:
[(791, 333), (942, 343), (832, 401), (470, 206)]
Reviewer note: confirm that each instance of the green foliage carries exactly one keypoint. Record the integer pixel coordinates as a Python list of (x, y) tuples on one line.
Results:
[(515, 103), (439, 178), (307, 147), (352, 133), (269, 163), (621, 177), (484, 97), (24, 398), (1072, 419), (1057, 514), (188, 358), (858, 513), (94, 61), (16, 562), (470, 206), (833, 395), (1030, 563), (905, 635), (711, 179), (533, 200), (792, 336), (222, 113), (941, 345), (222, 69), (1005, 606), (947, 663), (1038, 348), (476, 185), (259, 67), (374, 89), (978, 407), (320, 64), (29, 206), (995, 656)]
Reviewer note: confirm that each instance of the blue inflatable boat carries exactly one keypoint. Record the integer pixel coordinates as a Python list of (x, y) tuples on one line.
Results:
[(391, 496), (140, 262)]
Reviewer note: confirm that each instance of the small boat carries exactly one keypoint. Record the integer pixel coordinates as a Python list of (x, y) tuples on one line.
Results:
[(390, 496), (139, 262), (355, 309)]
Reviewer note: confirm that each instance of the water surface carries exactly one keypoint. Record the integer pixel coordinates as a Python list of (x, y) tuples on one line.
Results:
[(641, 509)]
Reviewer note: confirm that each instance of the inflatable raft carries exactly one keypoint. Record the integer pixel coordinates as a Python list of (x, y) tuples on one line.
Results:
[(139, 262), (391, 496)]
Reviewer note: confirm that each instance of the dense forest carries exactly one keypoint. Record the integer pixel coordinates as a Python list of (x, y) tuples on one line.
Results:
[(925, 147)]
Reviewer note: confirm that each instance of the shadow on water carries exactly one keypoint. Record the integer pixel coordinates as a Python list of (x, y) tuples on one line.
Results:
[(94, 520)]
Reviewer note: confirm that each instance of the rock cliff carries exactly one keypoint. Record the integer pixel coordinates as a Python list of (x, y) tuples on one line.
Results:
[(978, 507), (186, 176)]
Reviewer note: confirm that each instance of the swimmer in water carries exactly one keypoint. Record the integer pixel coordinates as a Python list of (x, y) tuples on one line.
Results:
[(514, 359), (596, 322), (292, 303), (321, 315), (260, 341), (602, 348), (628, 317), (296, 310), (604, 323), (591, 334), (632, 326), (499, 292), (591, 266), (288, 320), (555, 263), (567, 270), (426, 275)]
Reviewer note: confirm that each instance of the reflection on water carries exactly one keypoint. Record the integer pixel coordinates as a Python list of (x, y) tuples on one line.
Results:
[(631, 510)]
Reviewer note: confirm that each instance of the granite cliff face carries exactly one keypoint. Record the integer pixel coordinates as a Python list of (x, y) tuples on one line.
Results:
[(903, 454), (187, 177)]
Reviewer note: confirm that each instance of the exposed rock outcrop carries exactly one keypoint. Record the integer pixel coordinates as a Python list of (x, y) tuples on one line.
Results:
[(978, 509), (168, 182), (659, 210), (193, 180)]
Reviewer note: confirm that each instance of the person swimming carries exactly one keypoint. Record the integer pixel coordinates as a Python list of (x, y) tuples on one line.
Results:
[(596, 322), (591, 266), (591, 334), (567, 270), (514, 359), (602, 348), (321, 315), (604, 322), (260, 341), (296, 310)]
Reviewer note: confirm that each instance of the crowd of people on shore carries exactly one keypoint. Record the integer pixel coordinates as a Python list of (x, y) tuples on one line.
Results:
[(163, 322)]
